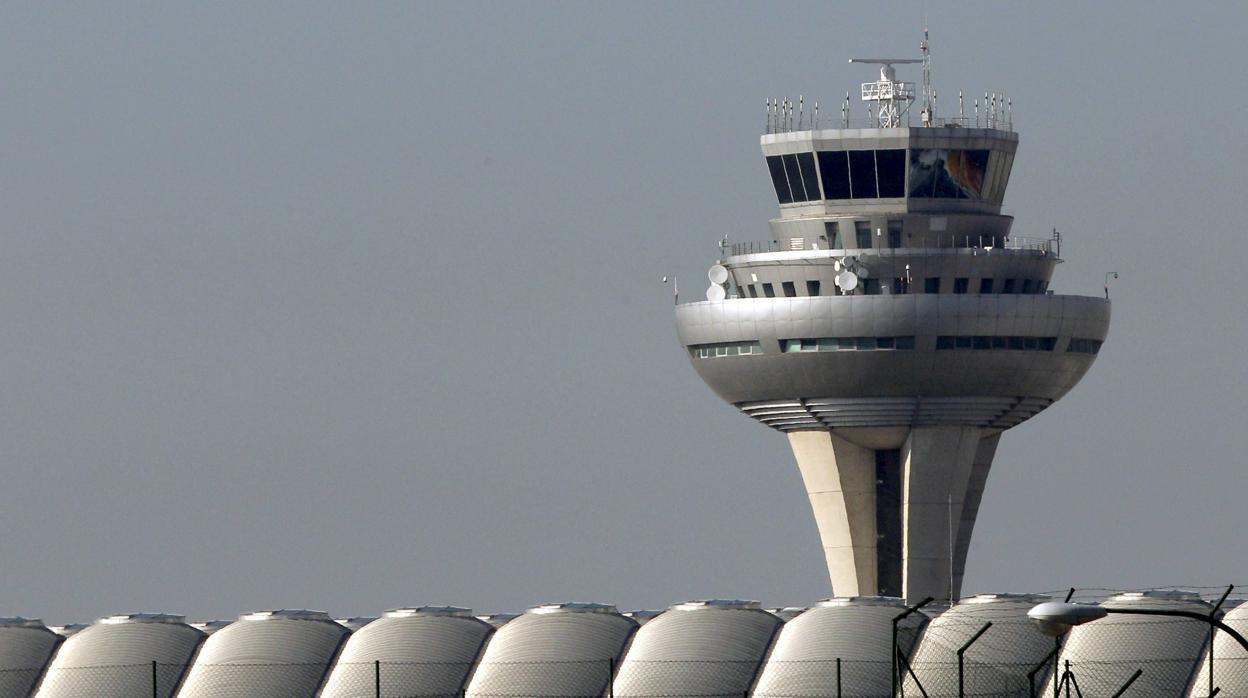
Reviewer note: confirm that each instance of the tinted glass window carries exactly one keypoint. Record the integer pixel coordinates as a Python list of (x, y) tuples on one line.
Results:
[(769, 291), (871, 287), (862, 174), (812, 288), (795, 177), (931, 284), (1027, 286), (789, 289), (960, 285), (985, 286), (862, 234), (775, 164), (1009, 286), (829, 231), (834, 168), (806, 163), (891, 166), (894, 234), (949, 174)]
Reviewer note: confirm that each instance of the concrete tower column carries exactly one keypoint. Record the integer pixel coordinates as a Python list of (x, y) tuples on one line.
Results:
[(970, 506), (937, 465), (840, 481)]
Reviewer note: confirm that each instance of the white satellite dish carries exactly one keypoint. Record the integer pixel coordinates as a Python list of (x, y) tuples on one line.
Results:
[(717, 274), (863, 272), (847, 280), (849, 261), (837, 266), (715, 292)]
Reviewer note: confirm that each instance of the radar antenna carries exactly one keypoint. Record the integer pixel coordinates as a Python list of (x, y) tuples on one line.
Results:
[(892, 96)]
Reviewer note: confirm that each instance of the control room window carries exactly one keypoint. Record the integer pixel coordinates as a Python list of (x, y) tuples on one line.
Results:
[(985, 286), (790, 290), (834, 168), (806, 164), (862, 174), (901, 285), (960, 285), (1027, 283), (871, 287), (891, 169), (931, 284), (862, 231), (769, 291), (753, 290), (812, 288), (775, 164), (894, 234), (795, 177), (1009, 286)]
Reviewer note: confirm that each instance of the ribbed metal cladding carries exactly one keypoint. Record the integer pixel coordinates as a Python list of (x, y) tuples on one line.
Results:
[(113, 657), (554, 650), (857, 631), (422, 652), (1230, 660), (276, 654), (999, 660), (702, 648), (830, 413), (26, 647), (1104, 653)]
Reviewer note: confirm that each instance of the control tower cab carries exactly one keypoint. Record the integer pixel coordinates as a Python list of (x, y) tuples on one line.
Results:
[(893, 327)]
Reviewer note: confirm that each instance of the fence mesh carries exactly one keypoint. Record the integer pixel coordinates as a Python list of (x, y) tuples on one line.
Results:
[(650, 679)]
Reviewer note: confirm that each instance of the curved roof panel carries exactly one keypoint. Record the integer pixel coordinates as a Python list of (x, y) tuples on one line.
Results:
[(422, 652), (1103, 654), (998, 662), (857, 631), (114, 656), (700, 648), (554, 650), (1230, 660), (26, 647), (276, 654)]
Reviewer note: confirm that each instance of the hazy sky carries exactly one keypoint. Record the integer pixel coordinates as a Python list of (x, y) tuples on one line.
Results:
[(350, 306)]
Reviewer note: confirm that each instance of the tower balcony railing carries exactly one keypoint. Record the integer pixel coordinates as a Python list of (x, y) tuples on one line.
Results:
[(939, 244), (793, 123)]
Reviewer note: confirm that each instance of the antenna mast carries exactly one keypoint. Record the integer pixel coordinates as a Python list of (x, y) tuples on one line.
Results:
[(929, 96)]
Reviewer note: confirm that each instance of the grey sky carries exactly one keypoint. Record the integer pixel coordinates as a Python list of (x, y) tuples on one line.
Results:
[(350, 306)]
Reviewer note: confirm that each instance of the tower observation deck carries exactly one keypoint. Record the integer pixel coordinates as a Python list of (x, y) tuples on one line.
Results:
[(893, 327)]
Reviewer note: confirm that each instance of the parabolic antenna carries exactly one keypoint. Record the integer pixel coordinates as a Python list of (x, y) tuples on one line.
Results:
[(863, 272), (847, 280), (717, 274), (715, 292)]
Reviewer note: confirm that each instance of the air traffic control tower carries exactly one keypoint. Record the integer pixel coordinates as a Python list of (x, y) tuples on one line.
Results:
[(894, 326)]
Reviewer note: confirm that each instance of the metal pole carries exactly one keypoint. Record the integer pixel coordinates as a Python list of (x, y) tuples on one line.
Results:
[(1031, 675), (1127, 685), (377, 678), (897, 650), (962, 651), (155, 689), (1057, 651), (838, 677), (1212, 631), (610, 677)]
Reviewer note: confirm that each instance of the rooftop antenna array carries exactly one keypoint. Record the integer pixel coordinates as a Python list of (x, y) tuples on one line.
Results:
[(892, 96)]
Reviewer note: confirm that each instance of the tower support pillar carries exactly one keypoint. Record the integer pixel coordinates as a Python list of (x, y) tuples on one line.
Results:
[(840, 481)]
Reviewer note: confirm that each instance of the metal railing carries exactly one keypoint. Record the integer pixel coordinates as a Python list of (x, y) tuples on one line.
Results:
[(815, 121), (932, 242)]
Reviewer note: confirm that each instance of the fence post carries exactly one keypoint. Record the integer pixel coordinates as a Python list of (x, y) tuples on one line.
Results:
[(377, 678), (155, 689), (961, 652)]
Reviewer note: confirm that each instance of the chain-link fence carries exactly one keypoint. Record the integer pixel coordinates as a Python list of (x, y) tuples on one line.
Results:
[(835, 678)]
